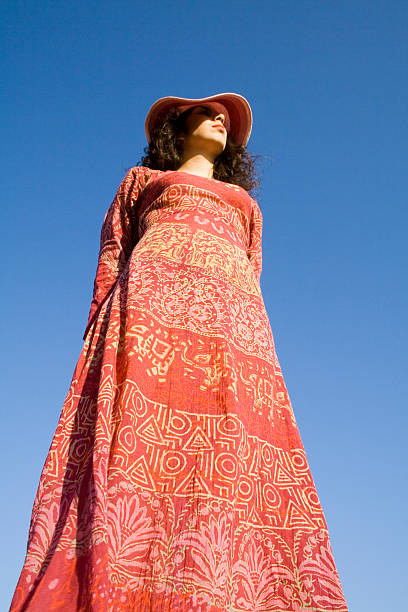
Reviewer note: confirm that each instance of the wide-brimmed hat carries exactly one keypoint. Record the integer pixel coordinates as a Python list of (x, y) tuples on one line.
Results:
[(238, 120)]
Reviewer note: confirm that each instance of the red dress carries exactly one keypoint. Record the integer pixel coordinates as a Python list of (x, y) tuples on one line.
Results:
[(176, 479)]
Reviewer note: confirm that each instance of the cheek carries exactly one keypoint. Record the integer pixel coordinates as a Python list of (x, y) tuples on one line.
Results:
[(192, 125), (200, 126)]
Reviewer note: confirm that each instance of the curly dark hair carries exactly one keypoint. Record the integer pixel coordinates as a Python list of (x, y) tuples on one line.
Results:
[(234, 165)]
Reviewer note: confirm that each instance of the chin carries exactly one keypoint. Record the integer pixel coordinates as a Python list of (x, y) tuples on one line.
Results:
[(209, 147), (219, 147)]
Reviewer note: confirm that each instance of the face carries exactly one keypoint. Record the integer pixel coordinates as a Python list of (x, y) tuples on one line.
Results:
[(204, 132)]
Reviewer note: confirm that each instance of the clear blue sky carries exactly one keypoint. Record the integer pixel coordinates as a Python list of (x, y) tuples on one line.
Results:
[(327, 81)]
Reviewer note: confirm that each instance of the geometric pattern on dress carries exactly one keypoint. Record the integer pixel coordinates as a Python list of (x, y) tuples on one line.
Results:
[(212, 455)]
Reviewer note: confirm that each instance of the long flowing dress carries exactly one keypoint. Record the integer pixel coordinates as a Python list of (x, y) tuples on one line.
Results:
[(177, 479)]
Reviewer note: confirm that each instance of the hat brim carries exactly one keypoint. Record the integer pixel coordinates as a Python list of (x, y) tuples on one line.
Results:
[(239, 111)]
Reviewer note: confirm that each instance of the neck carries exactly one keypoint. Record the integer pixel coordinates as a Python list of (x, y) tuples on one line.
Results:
[(197, 164)]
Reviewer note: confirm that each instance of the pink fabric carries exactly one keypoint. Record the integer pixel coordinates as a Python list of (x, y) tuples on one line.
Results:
[(176, 479)]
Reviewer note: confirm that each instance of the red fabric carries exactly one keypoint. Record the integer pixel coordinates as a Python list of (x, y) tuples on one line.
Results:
[(176, 479)]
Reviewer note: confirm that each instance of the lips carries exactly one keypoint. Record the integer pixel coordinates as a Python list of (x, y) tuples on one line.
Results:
[(217, 125)]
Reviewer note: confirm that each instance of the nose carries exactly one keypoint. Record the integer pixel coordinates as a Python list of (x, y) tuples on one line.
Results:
[(220, 117)]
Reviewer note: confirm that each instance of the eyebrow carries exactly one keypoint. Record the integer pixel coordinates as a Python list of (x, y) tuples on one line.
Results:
[(204, 107)]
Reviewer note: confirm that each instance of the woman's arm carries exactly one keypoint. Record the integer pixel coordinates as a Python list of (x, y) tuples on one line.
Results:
[(254, 251), (118, 237)]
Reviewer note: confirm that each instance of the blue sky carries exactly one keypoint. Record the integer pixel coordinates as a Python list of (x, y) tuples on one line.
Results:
[(327, 82)]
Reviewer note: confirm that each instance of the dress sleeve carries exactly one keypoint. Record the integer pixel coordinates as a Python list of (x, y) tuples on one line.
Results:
[(118, 237), (254, 251)]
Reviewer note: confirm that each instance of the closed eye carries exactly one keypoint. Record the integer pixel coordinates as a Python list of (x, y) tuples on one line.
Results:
[(205, 110)]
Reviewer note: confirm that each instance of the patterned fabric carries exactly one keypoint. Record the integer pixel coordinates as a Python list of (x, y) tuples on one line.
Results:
[(176, 479)]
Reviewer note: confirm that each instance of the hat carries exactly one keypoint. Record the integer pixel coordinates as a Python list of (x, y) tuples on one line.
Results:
[(238, 120)]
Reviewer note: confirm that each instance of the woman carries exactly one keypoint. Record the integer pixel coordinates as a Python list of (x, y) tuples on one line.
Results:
[(176, 479)]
